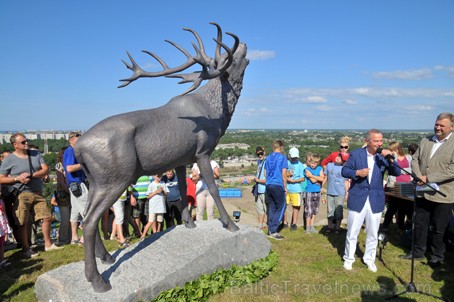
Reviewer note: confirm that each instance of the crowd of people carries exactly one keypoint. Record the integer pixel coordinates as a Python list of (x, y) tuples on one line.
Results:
[(357, 179), (353, 178), (145, 205)]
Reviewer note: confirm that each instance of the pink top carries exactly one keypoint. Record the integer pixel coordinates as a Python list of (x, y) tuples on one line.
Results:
[(4, 227), (403, 177)]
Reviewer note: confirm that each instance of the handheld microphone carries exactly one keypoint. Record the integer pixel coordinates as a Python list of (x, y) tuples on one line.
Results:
[(388, 157)]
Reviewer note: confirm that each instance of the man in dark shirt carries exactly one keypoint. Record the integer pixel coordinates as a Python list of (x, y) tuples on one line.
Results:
[(174, 204)]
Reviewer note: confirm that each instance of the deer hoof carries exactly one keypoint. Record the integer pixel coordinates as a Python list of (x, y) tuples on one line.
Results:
[(107, 259), (230, 225), (99, 285), (190, 224)]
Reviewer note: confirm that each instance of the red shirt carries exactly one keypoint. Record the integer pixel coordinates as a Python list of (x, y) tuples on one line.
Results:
[(332, 158), (190, 193)]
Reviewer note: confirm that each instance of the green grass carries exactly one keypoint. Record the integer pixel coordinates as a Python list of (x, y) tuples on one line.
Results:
[(309, 269)]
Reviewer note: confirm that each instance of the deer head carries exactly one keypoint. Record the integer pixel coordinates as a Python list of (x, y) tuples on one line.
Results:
[(211, 67)]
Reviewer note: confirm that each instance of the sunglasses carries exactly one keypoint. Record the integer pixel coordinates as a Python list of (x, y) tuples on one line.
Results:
[(343, 147), (23, 142), (259, 154), (76, 135)]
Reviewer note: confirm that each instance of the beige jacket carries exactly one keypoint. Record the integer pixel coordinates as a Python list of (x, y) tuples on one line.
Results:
[(439, 169)]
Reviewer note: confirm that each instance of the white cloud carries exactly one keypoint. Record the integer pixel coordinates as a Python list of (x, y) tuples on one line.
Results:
[(448, 69), (304, 94), (413, 74), (256, 55), (423, 107), (315, 99), (350, 102), (324, 108), (254, 111)]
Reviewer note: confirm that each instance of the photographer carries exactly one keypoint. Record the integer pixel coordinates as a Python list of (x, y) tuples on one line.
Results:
[(75, 179)]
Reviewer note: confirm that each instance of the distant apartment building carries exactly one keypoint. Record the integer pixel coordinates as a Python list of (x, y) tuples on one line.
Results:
[(32, 135)]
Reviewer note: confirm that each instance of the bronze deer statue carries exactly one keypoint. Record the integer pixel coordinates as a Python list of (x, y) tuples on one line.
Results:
[(121, 148)]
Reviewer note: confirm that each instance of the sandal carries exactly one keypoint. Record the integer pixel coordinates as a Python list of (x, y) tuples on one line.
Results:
[(4, 263), (124, 244)]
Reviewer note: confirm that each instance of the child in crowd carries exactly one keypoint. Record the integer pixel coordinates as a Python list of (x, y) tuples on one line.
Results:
[(117, 224), (315, 176), (4, 231), (156, 194), (191, 197), (337, 192), (295, 176)]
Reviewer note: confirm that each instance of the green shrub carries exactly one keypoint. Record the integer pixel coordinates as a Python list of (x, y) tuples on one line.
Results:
[(222, 279)]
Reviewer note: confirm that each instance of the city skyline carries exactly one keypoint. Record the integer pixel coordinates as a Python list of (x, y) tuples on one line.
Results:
[(313, 65)]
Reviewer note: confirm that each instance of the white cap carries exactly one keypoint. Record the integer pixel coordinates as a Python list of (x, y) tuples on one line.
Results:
[(293, 152)]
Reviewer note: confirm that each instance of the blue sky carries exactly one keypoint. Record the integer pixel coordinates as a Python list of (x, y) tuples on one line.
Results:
[(385, 64)]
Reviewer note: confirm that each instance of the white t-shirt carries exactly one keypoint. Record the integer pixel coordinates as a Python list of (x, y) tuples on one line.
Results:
[(201, 185), (157, 203)]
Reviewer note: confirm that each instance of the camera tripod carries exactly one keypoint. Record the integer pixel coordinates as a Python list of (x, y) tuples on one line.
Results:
[(411, 287)]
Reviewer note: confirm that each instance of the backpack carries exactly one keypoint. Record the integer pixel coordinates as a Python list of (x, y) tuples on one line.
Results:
[(61, 191)]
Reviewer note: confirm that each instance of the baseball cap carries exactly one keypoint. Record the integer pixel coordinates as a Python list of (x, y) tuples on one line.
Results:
[(73, 134), (294, 152)]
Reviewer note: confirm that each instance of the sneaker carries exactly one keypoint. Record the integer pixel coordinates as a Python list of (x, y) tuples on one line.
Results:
[(75, 242), (348, 265), (30, 254), (308, 230), (276, 236), (313, 230), (371, 266), (52, 247), (285, 225), (293, 227), (409, 256)]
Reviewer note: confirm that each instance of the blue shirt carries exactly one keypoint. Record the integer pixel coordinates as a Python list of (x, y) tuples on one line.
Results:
[(298, 172), (336, 183), (172, 185), (261, 175), (274, 164), (313, 187), (70, 159)]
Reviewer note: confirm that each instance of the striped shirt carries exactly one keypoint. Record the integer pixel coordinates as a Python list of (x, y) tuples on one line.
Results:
[(139, 190)]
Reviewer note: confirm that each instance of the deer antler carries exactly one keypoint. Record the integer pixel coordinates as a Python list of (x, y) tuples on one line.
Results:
[(211, 68)]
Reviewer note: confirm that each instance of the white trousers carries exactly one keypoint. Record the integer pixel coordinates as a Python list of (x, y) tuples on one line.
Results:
[(355, 221), (119, 211), (204, 201)]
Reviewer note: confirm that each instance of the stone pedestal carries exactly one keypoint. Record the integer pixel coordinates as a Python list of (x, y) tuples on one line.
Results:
[(160, 262)]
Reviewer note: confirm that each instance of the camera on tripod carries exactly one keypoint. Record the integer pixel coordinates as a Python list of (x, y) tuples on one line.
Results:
[(236, 216), (382, 240)]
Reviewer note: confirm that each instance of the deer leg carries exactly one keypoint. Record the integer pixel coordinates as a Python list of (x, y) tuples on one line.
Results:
[(100, 250), (181, 175), (92, 239), (205, 168), (91, 270)]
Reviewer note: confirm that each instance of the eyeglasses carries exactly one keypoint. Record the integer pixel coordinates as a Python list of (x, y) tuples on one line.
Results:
[(343, 147), (23, 142), (259, 154)]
